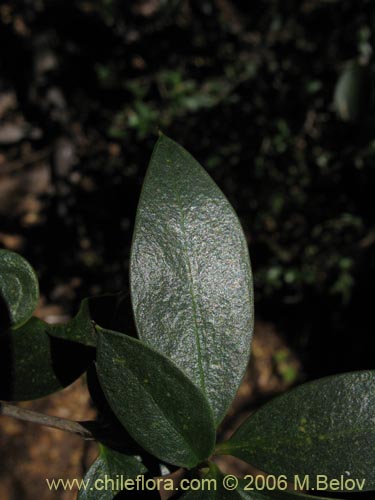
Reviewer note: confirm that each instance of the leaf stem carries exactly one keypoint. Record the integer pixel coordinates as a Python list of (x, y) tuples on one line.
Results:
[(222, 449), (62, 424)]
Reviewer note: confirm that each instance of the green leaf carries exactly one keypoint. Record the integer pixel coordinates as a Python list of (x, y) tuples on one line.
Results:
[(211, 487), (110, 469), (19, 289), (80, 329), (325, 427), (110, 311), (33, 364), (157, 404), (352, 92), (190, 275)]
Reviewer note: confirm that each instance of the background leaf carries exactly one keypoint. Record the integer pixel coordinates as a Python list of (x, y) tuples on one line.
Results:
[(80, 329), (33, 364), (353, 91), (110, 464), (323, 427), (19, 289), (111, 311), (160, 408), (190, 275)]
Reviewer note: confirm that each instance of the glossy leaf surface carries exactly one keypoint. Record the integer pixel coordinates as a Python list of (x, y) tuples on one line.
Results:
[(323, 427), (19, 290), (190, 275), (157, 404)]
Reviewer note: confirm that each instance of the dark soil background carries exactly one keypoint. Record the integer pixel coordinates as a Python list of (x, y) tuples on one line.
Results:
[(274, 98)]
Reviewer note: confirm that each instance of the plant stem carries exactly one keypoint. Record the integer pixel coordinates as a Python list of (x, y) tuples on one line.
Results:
[(63, 424)]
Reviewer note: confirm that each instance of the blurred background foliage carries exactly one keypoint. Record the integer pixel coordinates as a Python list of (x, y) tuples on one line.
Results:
[(274, 98)]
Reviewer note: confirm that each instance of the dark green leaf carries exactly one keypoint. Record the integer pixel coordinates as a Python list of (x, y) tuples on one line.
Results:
[(33, 364), (352, 92), (190, 275), (325, 427), (111, 311), (19, 289), (157, 404), (110, 469), (210, 487), (80, 329)]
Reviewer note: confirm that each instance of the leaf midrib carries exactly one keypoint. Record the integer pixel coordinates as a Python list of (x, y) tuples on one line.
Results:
[(149, 393), (191, 293)]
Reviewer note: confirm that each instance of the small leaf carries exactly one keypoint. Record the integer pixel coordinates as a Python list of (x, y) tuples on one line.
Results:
[(80, 329), (111, 468), (19, 289), (212, 490), (33, 364), (323, 427), (160, 408), (190, 275), (111, 311), (352, 92)]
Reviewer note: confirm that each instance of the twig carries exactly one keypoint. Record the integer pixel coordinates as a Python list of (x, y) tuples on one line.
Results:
[(63, 424)]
